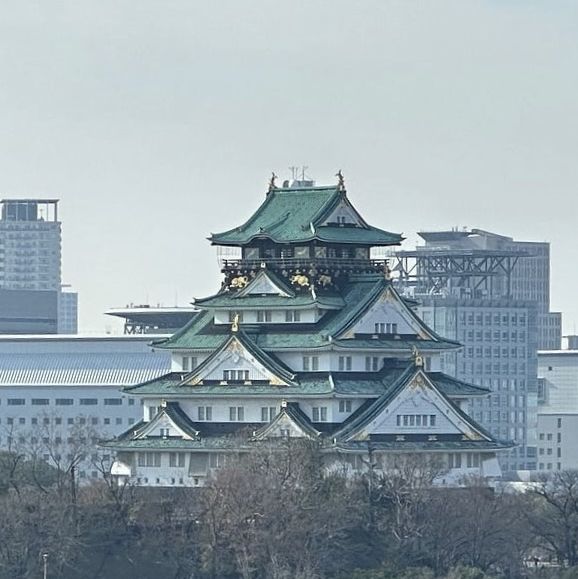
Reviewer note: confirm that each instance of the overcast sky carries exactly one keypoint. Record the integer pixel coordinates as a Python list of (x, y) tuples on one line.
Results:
[(157, 122)]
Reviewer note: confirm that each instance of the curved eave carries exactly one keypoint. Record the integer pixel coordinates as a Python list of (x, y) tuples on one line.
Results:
[(339, 237)]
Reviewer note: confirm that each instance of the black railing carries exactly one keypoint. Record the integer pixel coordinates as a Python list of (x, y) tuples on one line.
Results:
[(305, 263)]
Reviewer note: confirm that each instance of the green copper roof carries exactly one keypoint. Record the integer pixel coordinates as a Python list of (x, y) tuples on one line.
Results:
[(321, 384), (424, 445), (295, 216), (358, 295)]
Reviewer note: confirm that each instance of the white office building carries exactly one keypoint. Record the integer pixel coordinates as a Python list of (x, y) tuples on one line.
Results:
[(557, 410), (54, 389)]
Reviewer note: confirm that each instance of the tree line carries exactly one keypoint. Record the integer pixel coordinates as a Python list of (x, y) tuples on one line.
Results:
[(281, 514)]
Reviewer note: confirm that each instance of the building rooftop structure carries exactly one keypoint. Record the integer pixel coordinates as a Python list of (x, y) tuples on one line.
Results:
[(33, 299), (146, 319)]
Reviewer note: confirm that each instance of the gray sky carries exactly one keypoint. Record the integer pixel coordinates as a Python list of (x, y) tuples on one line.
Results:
[(158, 121)]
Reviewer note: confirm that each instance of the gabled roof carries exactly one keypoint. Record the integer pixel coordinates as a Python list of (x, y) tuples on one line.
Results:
[(412, 373), (266, 282), (362, 299), (238, 341), (290, 415), (295, 216), (172, 412)]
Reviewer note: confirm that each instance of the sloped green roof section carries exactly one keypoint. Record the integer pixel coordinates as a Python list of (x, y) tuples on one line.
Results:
[(201, 333), (295, 215)]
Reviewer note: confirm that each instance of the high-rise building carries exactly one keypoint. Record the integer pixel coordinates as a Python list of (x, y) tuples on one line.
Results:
[(306, 339), (30, 269), (491, 293)]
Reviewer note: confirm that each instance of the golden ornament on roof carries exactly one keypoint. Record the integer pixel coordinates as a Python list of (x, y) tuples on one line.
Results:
[(240, 281), (300, 280)]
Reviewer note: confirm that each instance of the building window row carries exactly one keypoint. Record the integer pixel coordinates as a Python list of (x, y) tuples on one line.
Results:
[(58, 421), (68, 401), (385, 328), (427, 420), (235, 375)]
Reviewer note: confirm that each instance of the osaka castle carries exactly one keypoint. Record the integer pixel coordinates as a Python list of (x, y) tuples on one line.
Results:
[(308, 339)]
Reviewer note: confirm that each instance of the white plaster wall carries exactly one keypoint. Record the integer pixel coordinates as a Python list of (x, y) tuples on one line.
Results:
[(177, 359), (560, 372), (308, 316)]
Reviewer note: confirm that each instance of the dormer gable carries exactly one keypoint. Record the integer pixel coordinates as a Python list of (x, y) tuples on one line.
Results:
[(344, 214), (291, 422), (169, 422), (240, 360), (387, 313), (266, 283), (414, 406)]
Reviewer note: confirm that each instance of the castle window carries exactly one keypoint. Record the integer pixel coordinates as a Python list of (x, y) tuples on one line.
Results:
[(236, 413), (292, 316), (371, 363), (427, 420), (217, 460), (345, 406), (385, 328), (205, 413), (344, 363), (310, 363), (165, 432), (177, 459), (268, 413), (263, 316), (151, 459), (455, 460), (235, 375), (319, 414), (189, 363), (153, 411), (473, 459)]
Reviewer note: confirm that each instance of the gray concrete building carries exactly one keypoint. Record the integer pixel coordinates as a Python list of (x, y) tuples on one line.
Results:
[(30, 269), (492, 294)]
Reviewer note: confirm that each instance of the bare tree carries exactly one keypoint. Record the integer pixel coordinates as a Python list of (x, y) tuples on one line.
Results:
[(552, 511)]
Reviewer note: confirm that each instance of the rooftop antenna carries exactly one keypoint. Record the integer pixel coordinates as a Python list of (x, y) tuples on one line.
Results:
[(299, 173)]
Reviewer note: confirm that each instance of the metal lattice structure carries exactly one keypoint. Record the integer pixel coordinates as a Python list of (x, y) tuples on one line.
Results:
[(476, 273)]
